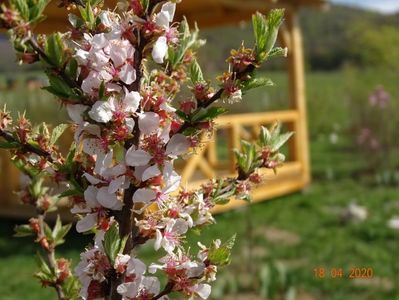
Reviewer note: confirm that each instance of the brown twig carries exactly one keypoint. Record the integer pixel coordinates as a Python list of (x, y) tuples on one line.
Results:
[(166, 291), (51, 258), (26, 147)]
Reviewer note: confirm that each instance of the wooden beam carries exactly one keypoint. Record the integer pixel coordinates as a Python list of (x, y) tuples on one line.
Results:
[(300, 143)]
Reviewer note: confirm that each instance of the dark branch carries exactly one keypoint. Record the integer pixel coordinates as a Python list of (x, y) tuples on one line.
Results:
[(26, 147)]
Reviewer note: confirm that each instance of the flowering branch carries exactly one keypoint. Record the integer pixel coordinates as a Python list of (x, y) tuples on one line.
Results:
[(117, 74)]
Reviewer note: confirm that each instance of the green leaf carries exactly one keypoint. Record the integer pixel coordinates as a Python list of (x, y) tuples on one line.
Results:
[(22, 7), (71, 287), (188, 40), (113, 244), (280, 140), (70, 193), (260, 27), (60, 231), (23, 230), (266, 31), (54, 49), (9, 145), (182, 115), (274, 20), (72, 68), (43, 266), (255, 83), (57, 132), (208, 114), (101, 91), (75, 21), (36, 11), (48, 232), (59, 88), (196, 73), (221, 256)]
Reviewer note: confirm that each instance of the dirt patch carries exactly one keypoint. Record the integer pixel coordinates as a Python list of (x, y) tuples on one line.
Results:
[(278, 236), (382, 283)]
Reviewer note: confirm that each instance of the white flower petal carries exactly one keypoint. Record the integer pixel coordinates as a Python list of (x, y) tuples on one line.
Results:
[(135, 266), (148, 122), (130, 124), (203, 290), (127, 74), (177, 145), (87, 223), (135, 158), (108, 200), (151, 284), (101, 112), (131, 101), (75, 112), (158, 240), (90, 178), (92, 146), (166, 15), (159, 50), (116, 184), (90, 196), (151, 172), (144, 196), (103, 162)]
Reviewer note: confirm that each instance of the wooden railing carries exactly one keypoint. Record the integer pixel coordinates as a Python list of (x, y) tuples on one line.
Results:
[(209, 163)]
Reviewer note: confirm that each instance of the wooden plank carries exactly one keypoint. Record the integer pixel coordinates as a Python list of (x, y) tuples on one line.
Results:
[(283, 116), (206, 168), (300, 142), (234, 142)]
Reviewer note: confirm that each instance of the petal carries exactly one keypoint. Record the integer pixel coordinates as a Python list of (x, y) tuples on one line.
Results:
[(108, 200), (75, 112), (148, 122), (131, 101), (177, 145), (203, 290), (130, 124), (87, 223), (90, 195), (103, 162), (90, 178), (99, 41), (166, 15), (171, 178), (101, 112), (166, 107), (151, 172), (116, 184), (144, 196), (127, 74), (158, 240), (92, 146), (180, 227), (152, 285), (136, 266), (135, 158), (159, 50)]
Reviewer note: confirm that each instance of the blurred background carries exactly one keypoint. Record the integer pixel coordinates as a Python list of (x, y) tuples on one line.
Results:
[(348, 217)]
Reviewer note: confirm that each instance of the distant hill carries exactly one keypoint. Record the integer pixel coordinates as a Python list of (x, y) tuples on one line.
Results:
[(327, 38)]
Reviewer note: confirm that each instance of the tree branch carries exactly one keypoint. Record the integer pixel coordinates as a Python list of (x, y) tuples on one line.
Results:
[(26, 147), (51, 259)]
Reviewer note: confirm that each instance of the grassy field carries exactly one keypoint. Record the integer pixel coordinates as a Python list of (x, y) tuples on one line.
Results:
[(280, 242)]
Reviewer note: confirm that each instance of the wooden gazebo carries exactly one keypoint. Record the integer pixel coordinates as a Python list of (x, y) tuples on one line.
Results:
[(206, 164)]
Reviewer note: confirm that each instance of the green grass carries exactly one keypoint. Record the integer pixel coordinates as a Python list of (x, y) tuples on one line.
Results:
[(312, 216)]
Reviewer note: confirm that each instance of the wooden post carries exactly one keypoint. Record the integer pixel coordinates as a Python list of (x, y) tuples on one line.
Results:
[(297, 83)]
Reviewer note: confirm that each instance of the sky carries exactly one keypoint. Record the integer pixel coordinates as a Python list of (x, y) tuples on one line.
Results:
[(385, 6)]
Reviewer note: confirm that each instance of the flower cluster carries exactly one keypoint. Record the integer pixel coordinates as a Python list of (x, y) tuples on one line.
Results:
[(117, 74)]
